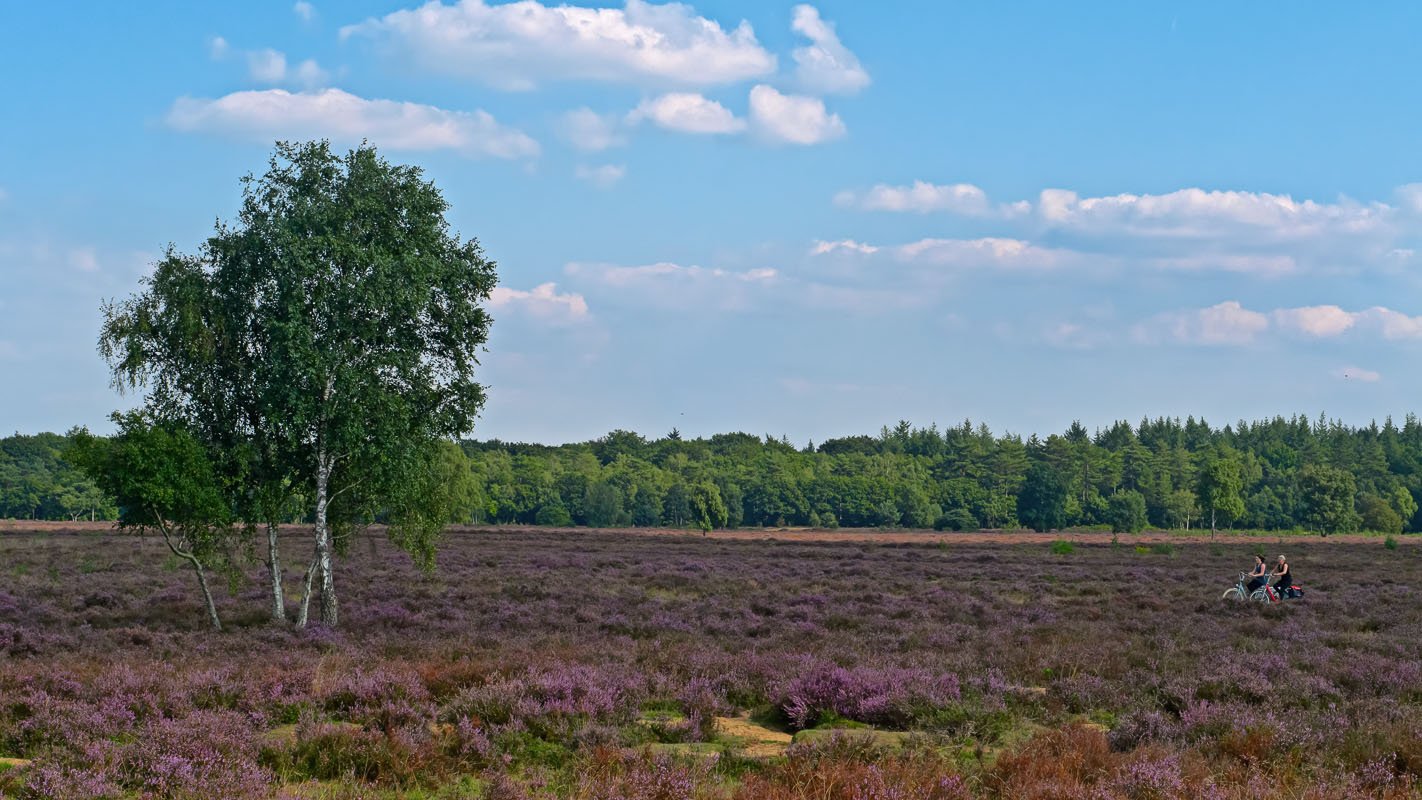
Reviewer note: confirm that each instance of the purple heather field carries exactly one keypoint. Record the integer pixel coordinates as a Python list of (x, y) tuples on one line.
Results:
[(600, 665)]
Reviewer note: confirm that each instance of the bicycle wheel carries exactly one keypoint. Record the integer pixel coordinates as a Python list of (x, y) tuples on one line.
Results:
[(1232, 593), (1260, 596)]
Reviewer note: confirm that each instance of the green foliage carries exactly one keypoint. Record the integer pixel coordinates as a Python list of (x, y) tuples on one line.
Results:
[(1390, 542), (1376, 514), (1042, 504), (1126, 512), (1328, 494), (1061, 547), (957, 519), (322, 347), (1221, 486), (37, 481)]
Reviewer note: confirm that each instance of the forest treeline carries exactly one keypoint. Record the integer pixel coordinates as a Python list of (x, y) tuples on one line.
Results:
[(1283, 473)]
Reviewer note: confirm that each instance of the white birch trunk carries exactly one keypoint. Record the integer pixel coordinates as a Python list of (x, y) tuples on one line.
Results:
[(303, 613), (329, 615), (274, 563)]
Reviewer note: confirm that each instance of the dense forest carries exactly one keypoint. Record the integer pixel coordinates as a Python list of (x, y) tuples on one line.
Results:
[(1293, 473), (37, 482)]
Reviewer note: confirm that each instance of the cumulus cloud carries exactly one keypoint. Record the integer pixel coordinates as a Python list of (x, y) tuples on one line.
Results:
[(276, 113), (1357, 374), (1191, 229), (825, 65), (988, 251), (687, 112), (793, 119), (542, 302), (921, 197), (304, 10), (1197, 213), (821, 247), (517, 45), (1319, 321), (267, 66), (1226, 323), (1231, 323), (603, 177), (590, 131)]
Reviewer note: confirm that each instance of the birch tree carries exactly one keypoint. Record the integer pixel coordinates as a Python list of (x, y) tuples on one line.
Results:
[(330, 335), (164, 481)]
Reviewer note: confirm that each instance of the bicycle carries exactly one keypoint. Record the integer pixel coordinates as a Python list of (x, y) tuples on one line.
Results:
[(1241, 592)]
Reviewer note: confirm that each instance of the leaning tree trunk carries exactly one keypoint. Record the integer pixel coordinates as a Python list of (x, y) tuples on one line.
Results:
[(201, 571), (274, 563), (206, 594), (304, 611)]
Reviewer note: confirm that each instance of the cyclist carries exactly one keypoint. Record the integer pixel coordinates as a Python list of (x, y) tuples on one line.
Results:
[(1284, 577), (1260, 575)]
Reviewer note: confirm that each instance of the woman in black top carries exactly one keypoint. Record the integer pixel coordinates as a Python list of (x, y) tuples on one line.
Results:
[(1284, 575), (1259, 576)]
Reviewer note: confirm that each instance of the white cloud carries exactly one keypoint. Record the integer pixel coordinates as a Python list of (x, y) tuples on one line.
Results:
[(1318, 321), (603, 177), (270, 66), (517, 45), (922, 197), (793, 119), (988, 252), (1197, 213), (1391, 324), (276, 113), (542, 302), (1231, 323), (304, 10), (310, 75), (687, 112), (218, 48), (1409, 196), (267, 66), (1255, 233), (826, 65), (843, 245), (1357, 374), (590, 131), (1226, 323)]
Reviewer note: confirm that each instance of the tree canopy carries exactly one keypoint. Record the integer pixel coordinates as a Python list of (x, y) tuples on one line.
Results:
[(324, 344)]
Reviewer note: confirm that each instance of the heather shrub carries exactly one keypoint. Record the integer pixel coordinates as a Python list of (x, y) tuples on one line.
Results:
[(610, 776), (893, 697), (527, 652), (206, 754), (383, 698), (827, 772), (327, 751)]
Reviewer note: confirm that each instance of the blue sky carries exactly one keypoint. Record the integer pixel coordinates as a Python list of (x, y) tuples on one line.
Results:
[(794, 219)]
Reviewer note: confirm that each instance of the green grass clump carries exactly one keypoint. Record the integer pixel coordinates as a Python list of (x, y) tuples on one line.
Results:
[(1061, 547)]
